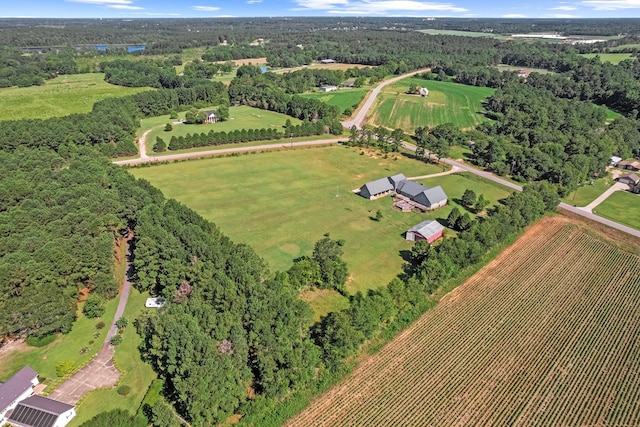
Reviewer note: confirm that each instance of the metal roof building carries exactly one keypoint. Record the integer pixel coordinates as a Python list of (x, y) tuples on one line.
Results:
[(429, 230), (38, 411), (377, 188)]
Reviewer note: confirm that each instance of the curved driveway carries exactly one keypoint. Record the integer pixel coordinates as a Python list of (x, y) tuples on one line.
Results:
[(357, 121)]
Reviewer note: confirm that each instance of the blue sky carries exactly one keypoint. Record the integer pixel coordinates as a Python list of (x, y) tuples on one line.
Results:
[(239, 8)]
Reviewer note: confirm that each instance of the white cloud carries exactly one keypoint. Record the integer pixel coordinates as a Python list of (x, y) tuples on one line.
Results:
[(376, 7), (254, 1), (513, 15), (612, 4), (562, 7), (161, 14), (124, 6), (206, 8), (562, 16), (102, 2)]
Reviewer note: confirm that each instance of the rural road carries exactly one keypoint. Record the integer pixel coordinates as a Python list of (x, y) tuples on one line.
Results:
[(100, 372), (371, 97), (357, 121)]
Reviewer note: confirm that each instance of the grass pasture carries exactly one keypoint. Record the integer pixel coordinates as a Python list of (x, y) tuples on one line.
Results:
[(282, 203), (613, 58), (622, 207), (587, 193), (446, 103), (342, 98), (59, 97), (242, 117), (545, 334)]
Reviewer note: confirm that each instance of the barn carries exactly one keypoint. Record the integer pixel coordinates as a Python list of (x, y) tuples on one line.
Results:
[(432, 198), (374, 189), (429, 230)]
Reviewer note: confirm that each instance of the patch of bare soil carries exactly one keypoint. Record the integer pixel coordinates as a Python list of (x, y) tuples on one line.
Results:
[(8, 348)]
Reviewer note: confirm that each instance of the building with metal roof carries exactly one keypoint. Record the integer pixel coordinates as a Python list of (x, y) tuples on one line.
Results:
[(38, 411), (17, 388), (377, 188), (429, 230), (432, 198)]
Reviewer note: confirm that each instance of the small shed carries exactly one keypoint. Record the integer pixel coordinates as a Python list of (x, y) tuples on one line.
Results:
[(328, 61), (328, 88), (374, 189), (38, 411), (614, 160), (349, 83), (155, 302), (429, 230), (424, 91)]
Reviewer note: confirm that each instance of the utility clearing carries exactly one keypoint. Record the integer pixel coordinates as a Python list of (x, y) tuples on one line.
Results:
[(546, 334)]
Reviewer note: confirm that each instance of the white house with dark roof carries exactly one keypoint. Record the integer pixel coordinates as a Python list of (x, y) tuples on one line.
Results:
[(17, 388), (211, 117), (38, 411)]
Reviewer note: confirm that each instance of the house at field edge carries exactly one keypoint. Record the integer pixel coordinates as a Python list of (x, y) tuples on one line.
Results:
[(375, 189), (429, 230), (211, 117), (19, 408), (17, 388), (328, 88), (424, 91), (38, 411)]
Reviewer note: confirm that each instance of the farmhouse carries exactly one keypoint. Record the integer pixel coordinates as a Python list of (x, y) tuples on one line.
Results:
[(38, 411), (410, 193), (376, 189), (19, 408), (429, 230), (631, 179), (211, 117), (328, 88), (633, 165), (17, 388)]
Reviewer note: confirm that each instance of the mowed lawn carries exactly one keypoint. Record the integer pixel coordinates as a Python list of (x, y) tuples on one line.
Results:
[(59, 97), (622, 207), (342, 98), (614, 58), (242, 117), (282, 203), (446, 103)]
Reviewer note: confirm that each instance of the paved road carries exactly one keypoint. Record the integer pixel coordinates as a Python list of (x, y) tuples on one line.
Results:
[(618, 186), (199, 154), (371, 97), (100, 372)]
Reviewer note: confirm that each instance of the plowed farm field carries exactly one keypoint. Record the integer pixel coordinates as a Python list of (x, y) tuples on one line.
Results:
[(547, 334)]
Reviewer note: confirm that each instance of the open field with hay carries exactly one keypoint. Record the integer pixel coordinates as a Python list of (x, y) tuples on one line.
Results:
[(446, 103), (59, 97), (546, 334), (282, 203)]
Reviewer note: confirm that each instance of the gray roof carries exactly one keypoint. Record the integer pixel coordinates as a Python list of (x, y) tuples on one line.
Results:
[(631, 176), (46, 405), (38, 411), (397, 179), (427, 228), (436, 195), (16, 385), (378, 186), (615, 159), (410, 188)]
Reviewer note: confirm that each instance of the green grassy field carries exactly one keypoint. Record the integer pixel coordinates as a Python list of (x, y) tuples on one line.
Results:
[(462, 33), (65, 347), (242, 117), (586, 194), (59, 97), (343, 98), (282, 203), (614, 58), (137, 374), (446, 103), (622, 207), (625, 46)]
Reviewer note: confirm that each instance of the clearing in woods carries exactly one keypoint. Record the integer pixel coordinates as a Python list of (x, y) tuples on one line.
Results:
[(546, 334), (446, 103)]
